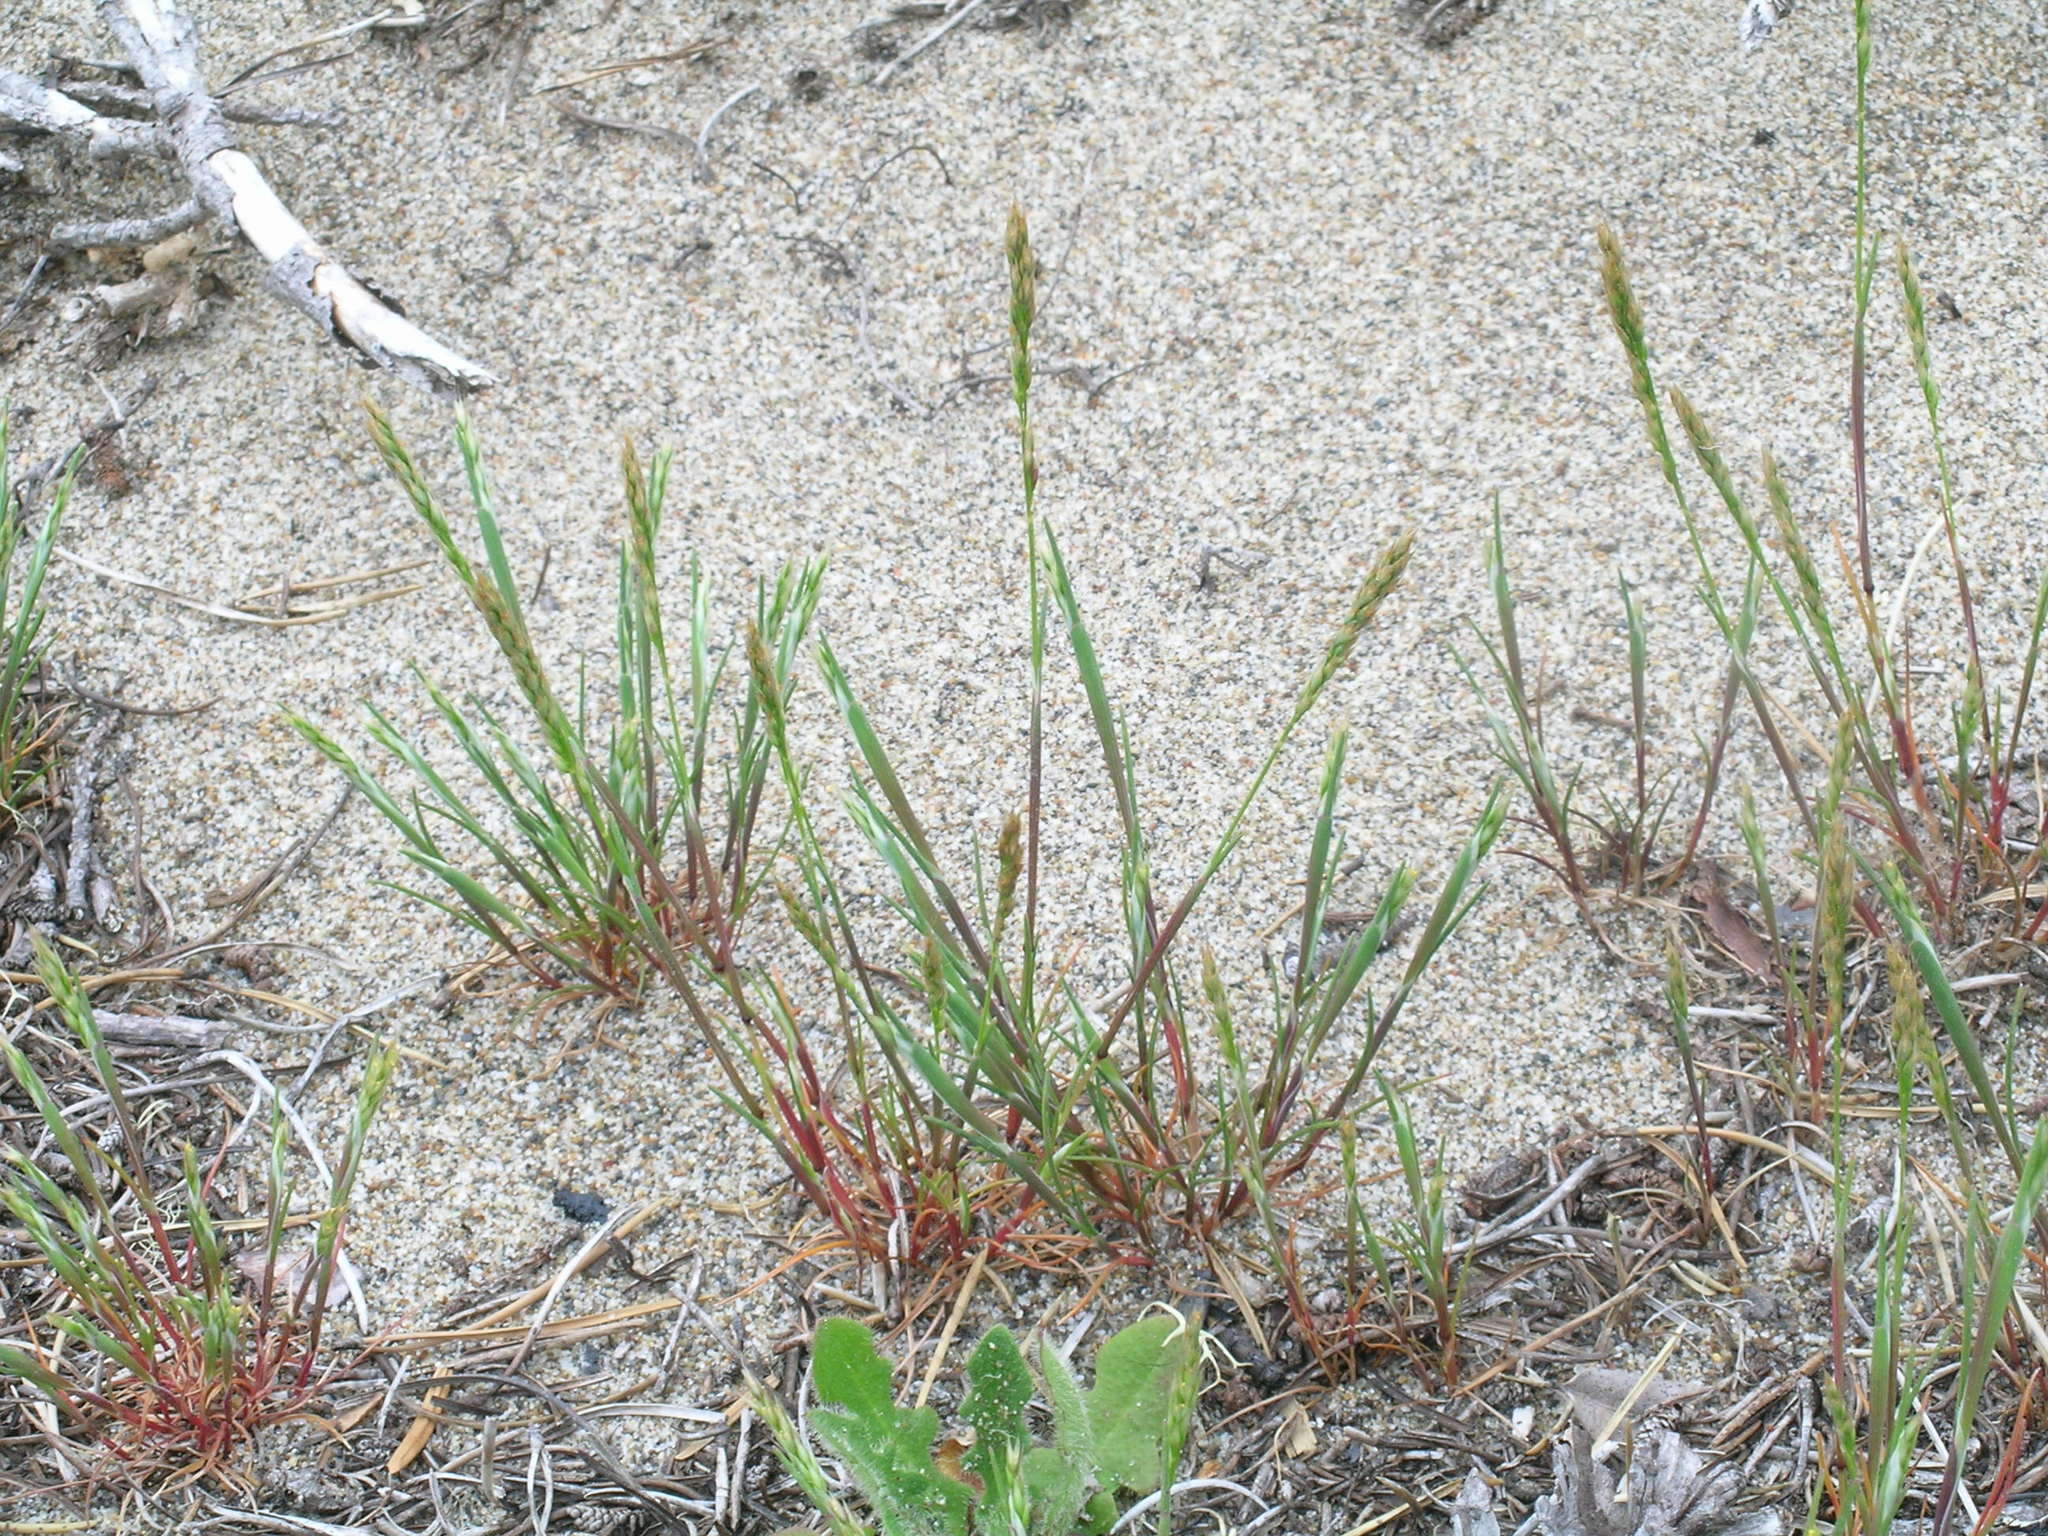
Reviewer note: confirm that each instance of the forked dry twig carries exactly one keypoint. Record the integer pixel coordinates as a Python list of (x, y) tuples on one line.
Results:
[(287, 620), (192, 129), (957, 15)]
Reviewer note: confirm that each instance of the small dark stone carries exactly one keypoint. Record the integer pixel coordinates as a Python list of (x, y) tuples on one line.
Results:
[(583, 1208), (1762, 1306), (1264, 1372), (1443, 22)]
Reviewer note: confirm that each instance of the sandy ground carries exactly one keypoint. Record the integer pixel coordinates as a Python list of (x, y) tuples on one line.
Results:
[(1354, 281)]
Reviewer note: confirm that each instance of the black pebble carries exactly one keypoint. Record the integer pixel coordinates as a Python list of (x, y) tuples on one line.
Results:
[(583, 1208), (1267, 1374)]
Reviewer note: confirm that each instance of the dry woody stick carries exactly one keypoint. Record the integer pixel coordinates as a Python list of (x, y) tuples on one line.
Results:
[(192, 129)]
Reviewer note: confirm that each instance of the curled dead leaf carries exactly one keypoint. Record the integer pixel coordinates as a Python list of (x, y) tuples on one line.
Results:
[(1296, 1437)]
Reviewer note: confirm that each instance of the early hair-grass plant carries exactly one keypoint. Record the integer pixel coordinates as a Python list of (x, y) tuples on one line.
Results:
[(626, 853), (1944, 796), (1916, 843), (1404, 1277), (1617, 845), (1261, 1162), (1421, 1241), (605, 861), (986, 1077), (1943, 799), (976, 1089), (1881, 1389), (1943, 810), (181, 1347)]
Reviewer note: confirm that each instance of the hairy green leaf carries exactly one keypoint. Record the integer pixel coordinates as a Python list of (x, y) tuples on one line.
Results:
[(887, 1450), (1129, 1408)]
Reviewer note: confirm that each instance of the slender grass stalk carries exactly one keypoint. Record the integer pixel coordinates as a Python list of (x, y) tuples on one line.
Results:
[(1023, 265), (1930, 394), (1864, 268), (1354, 1206), (1831, 924), (1641, 832), (1183, 1388), (1678, 998), (1944, 824), (1983, 1326)]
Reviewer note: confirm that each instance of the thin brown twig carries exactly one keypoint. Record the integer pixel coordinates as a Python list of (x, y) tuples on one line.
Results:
[(696, 50), (576, 114), (234, 615)]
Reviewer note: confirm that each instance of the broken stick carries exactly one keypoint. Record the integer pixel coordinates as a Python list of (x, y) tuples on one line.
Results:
[(192, 129)]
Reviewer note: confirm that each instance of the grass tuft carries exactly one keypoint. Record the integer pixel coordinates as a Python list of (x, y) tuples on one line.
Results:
[(173, 1354), (606, 861), (993, 1102), (30, 724)]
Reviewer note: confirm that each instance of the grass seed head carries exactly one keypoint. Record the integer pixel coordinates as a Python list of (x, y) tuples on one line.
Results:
[(643, 511), (1009, 864), (1909, 1009), (1023, 265), (1796, 547), (1379, 583), (1626, 314), (1023, 312), (767, 686), (934, 981), (799, 916)]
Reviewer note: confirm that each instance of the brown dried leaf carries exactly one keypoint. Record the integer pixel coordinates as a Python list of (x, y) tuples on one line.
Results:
[(1596, 1395), (1732, 931), (293, 1265), (1296, 1437)]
